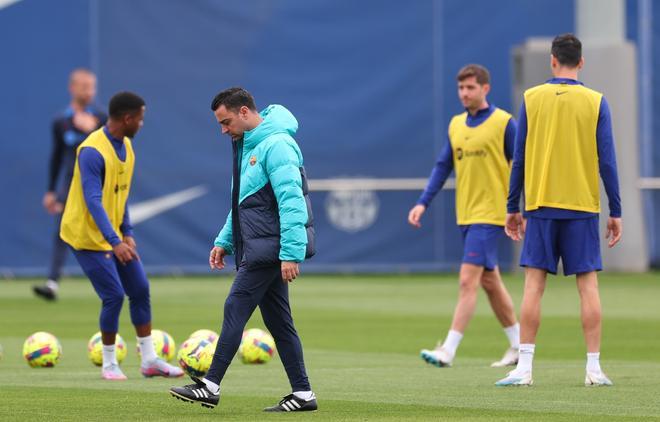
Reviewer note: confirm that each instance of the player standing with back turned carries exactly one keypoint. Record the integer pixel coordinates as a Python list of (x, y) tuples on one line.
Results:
[(564, 141)]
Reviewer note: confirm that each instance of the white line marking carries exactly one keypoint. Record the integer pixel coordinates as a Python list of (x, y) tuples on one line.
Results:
[(7, 3), (391, 184)]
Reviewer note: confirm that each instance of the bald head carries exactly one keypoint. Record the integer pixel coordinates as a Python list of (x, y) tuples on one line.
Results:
[(82, 86)]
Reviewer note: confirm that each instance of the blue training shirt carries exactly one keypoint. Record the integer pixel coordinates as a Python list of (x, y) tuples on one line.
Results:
[(66, 138), (92, 173), (445, 161), (606, 165)]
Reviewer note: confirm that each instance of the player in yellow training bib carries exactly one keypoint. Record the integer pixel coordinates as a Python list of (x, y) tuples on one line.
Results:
[(564, 143), (479, 148), (97, 227)]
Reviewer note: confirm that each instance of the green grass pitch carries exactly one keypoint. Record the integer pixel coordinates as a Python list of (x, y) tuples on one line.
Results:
[(362, 336)]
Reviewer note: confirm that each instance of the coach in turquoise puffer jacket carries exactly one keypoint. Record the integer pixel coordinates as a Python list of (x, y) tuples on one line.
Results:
[(274, 212), (269, 230)]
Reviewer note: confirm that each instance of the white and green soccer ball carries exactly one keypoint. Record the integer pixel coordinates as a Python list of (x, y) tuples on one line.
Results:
[(257, 346), (195, 356), (164, 345), (42, 350), (95, 349)]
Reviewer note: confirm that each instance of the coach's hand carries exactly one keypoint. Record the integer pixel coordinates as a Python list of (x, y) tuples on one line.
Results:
[(217, 258), (125, 252), (614, 231), (290, 271), (415, 215), (514, 226)]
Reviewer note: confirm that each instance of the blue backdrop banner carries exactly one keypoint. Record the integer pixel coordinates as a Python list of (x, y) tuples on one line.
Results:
[(371, 83)]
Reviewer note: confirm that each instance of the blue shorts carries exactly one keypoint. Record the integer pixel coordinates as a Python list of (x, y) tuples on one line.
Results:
[(112, 281), (481, 244), (575, 241)]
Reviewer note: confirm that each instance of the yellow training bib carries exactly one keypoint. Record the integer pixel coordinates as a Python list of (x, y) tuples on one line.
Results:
[(561, 153), (78, 228), (482, 170)]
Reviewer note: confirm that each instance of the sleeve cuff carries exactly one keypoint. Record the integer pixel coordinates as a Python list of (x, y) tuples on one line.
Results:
[(289, 259), (228, 248), (114, 241)]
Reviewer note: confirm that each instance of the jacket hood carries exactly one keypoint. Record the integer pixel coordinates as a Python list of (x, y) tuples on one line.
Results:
[(276, 119)]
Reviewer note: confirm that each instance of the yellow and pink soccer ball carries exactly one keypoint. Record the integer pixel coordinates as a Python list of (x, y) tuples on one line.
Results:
[(164, 345), (195, 356), (95, 349), (209, 335), (42, 350), (257, 346)]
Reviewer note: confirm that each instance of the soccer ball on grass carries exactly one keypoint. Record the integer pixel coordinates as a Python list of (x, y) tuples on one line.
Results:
[(257, 346), (195, 356), (95, 349), (42, 350)]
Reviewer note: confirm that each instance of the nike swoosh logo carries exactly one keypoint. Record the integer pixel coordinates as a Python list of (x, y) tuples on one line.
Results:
[(142, 211), (560, 92)]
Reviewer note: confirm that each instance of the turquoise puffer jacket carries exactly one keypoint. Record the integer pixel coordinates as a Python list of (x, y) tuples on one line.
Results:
[(272, 204)]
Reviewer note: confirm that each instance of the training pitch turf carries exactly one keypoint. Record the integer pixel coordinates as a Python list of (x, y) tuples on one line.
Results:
[(362, 336)]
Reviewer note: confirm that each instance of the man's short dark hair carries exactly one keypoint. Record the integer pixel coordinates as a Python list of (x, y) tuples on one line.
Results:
[(233, 99), (567, 49), (125, 103), (478, 71)]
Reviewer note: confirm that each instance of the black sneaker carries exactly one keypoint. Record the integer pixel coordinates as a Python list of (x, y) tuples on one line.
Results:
[(291, 403), (44, 292), (197, 392)]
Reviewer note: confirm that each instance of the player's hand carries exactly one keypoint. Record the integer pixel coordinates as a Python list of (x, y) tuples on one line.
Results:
[(515, 226), (217, 258), (130, 241), (290, 271), (614, 231), (124, 252), (51, 204), (85, 122), (415, 215)]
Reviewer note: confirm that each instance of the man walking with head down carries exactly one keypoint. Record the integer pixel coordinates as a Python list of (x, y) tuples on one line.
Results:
[(269, 231)]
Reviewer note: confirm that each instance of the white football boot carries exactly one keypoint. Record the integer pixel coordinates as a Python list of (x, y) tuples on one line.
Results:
[(515, 379), (597, 379), (438, 357), (510, 358)]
